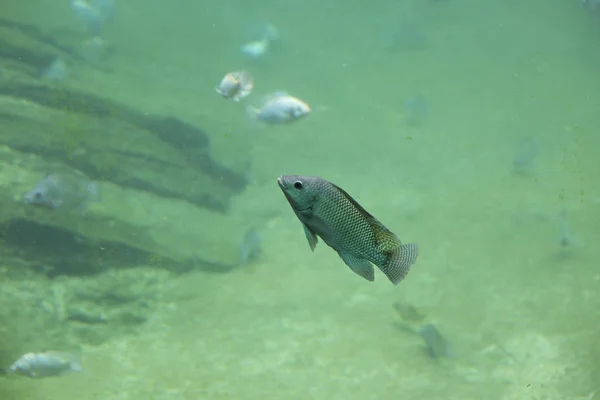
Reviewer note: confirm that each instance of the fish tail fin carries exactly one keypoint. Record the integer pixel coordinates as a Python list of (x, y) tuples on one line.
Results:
[(399, 262), (246, 85), (252, 113), (253, 120)]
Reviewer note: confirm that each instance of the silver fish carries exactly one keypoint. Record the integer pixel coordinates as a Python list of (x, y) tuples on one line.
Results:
[(41, 365), (63, 191), (95, 14), (328, 212), (236, 85), (256, 48), (280, 108)]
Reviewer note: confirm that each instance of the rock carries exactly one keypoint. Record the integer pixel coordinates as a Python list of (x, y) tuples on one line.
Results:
[(164, 199)]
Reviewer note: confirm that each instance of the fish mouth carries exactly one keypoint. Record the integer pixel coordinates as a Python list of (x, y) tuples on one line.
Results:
[(284, 188), (281, 183)]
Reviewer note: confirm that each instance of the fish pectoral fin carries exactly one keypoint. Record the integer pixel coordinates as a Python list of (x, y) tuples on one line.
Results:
[(399, 261), (359, 265), (311, 237)]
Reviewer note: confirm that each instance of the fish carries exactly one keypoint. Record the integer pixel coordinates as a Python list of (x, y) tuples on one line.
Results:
[(93, 49), (327, 211), (437, 345), (57, 71), (408, 312), (256, 48), (279, 108), (235, 85), (62, 191), (415, 321), (268, 34), (46, 364), (94, 14), (250, 247)]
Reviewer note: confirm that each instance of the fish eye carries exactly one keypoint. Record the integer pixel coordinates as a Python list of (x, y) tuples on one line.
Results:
[(298, 185), (37, 195)]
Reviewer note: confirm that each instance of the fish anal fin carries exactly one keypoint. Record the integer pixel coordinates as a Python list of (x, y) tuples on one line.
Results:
[(311, 237), (399, 261), (360, 266)]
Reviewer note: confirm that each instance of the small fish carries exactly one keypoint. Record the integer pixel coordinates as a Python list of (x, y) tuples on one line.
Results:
[(94, 14), (408, 312), (93, 49), (256, 48), (264, 30), (267, 34), (46, 364), (250, 247), (279, 108), (236, 85), (437, 345), (328, 212), (62, 191)]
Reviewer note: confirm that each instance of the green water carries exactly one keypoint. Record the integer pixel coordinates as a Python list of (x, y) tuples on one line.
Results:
[(521, 311)]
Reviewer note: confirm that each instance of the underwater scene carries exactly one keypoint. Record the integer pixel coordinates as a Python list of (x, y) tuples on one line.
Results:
[(272, 200)]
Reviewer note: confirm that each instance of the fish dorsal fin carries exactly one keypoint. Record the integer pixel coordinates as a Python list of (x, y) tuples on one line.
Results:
[(274, 96), (386, 240), (354, 203)]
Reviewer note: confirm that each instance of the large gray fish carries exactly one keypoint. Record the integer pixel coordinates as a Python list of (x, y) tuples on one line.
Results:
[(328, 212)]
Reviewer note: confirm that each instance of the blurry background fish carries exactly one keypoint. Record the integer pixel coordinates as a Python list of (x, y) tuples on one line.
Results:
[(63, 191), (93, 49), (94, 14), (437, 345), (279, 108), (236, 85), (264, 36), (46, 364), (415, 320), (250, 249), (57, 71)]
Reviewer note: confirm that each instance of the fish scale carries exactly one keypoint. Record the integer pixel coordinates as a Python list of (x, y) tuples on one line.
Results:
[(328, 212), (353, 225)]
